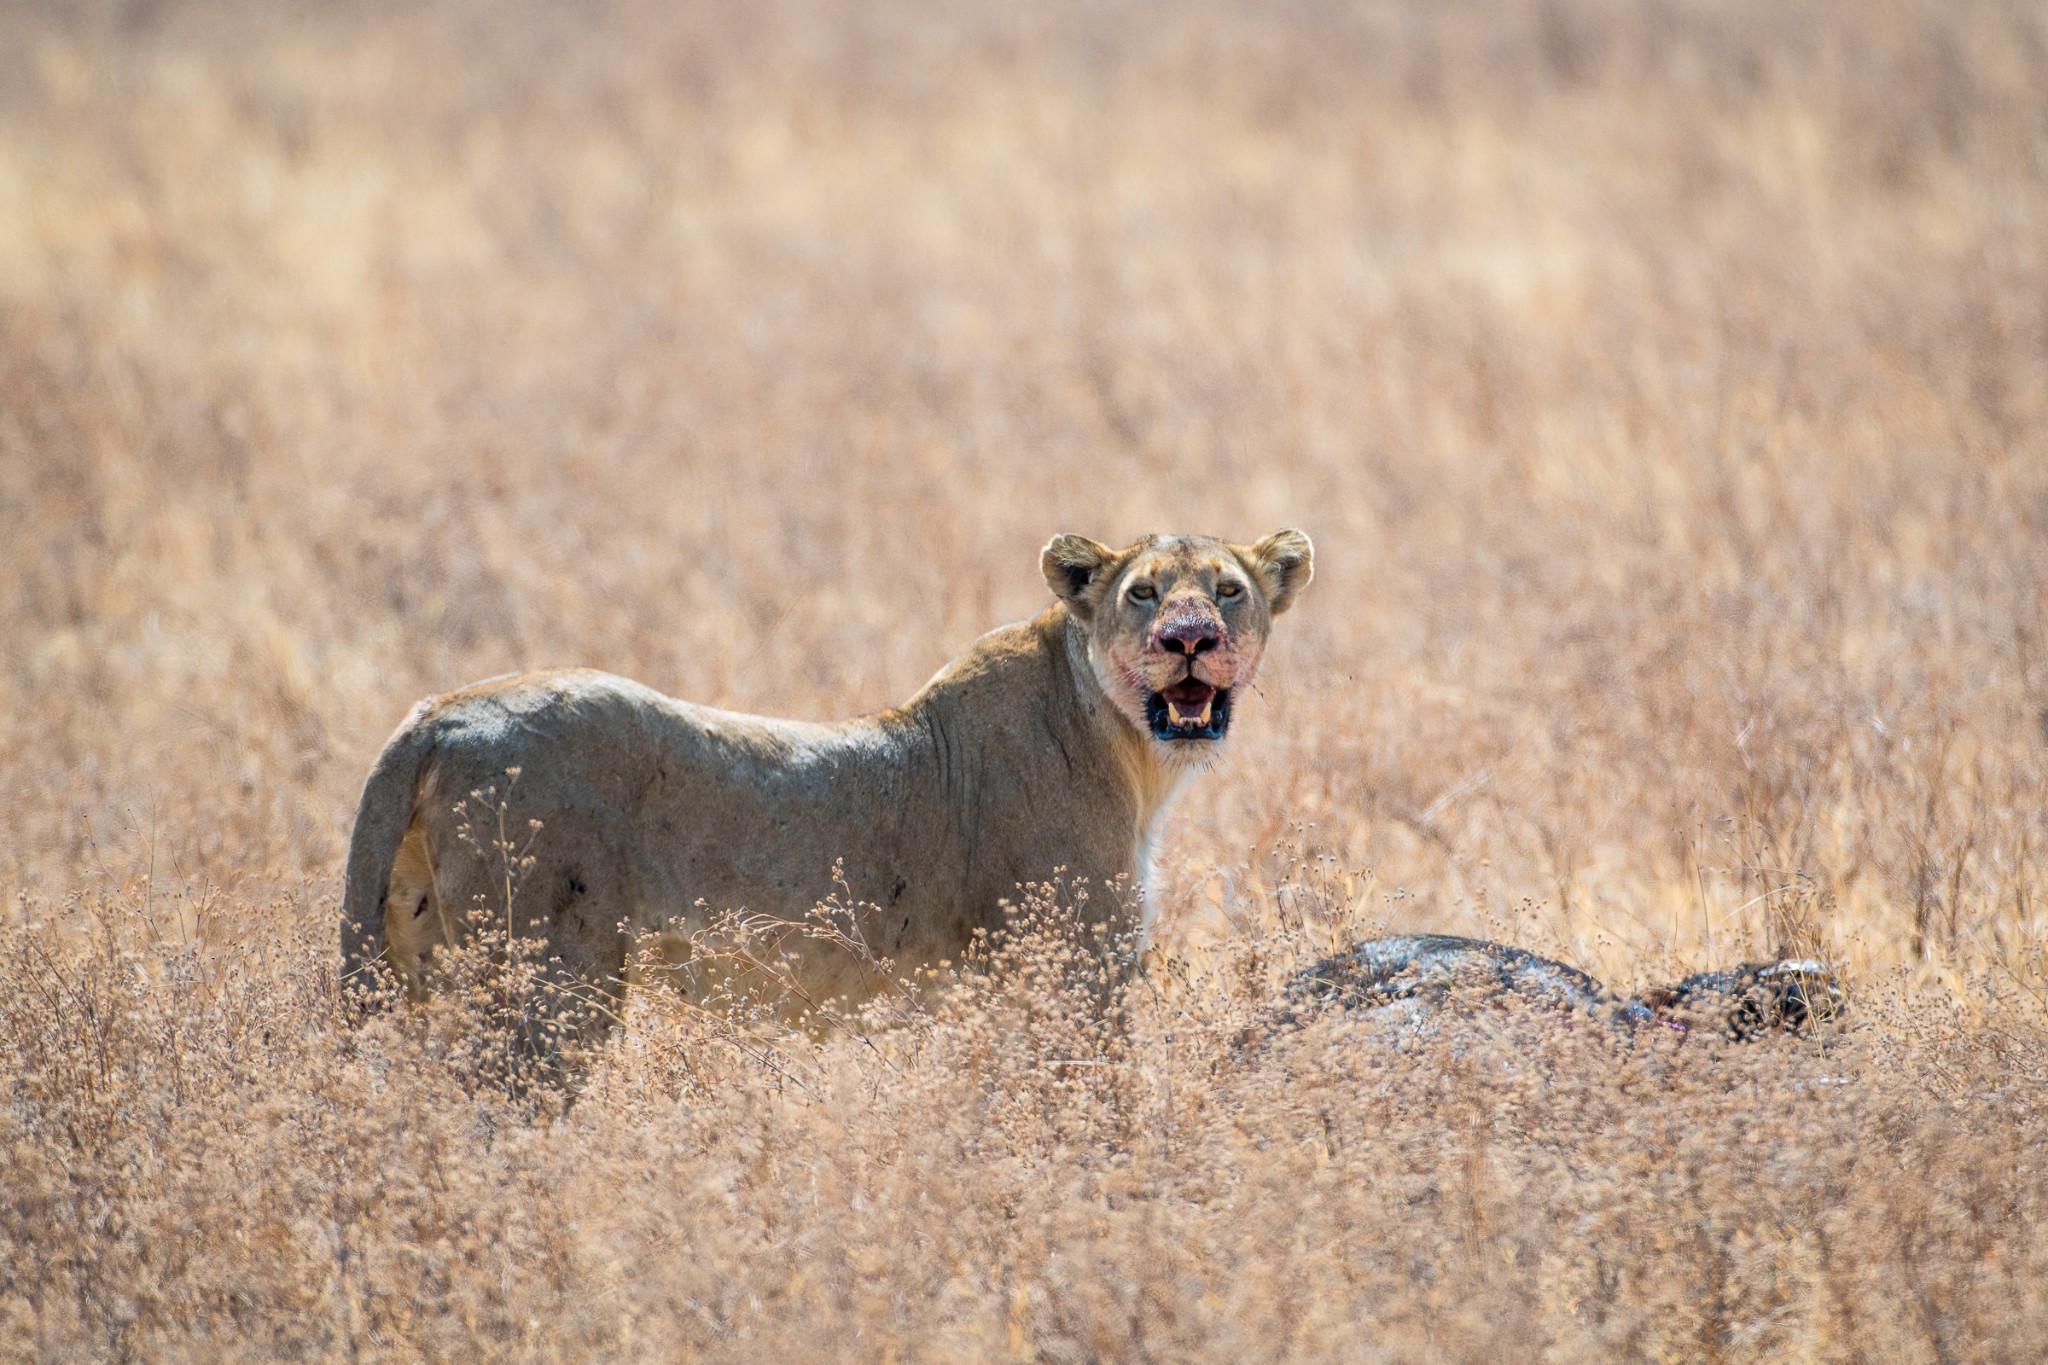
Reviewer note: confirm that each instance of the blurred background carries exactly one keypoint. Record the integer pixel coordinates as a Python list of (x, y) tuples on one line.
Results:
[(1662, 383)]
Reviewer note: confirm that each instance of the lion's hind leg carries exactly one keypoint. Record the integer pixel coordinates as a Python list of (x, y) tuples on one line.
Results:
[(579, 909), (415, 918), (543, 936)]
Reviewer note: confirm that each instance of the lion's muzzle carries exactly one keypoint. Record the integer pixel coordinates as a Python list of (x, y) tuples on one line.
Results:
[(1188, 709), (1191, 641)]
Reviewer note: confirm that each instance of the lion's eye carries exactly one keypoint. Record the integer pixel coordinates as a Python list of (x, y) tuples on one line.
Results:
[(1143, 592), (1228, 588)]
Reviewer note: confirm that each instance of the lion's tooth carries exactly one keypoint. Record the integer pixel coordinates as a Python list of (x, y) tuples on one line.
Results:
[(1174, 712), (1207, 706)]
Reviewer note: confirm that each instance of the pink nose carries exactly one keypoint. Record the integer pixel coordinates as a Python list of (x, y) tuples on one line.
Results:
[(1190, 635)]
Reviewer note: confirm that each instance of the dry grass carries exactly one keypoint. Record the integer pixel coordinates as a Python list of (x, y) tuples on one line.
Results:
[(1665, 386)]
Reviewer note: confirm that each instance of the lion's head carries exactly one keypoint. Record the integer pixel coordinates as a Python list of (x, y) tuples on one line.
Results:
[(1176, 625)]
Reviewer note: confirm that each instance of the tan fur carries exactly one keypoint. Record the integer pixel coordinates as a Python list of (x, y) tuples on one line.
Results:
[(1028, 756)]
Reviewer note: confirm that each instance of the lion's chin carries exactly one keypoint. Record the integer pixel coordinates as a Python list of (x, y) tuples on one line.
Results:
[(1188, 710)]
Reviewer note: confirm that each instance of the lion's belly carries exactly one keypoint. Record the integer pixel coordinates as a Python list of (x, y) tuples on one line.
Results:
[(875, 873)]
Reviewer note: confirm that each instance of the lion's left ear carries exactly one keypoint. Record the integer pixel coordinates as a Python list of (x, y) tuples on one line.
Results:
[(1283, 562)]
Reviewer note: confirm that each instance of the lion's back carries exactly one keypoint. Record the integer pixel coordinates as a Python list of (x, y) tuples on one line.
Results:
[(614, 760)]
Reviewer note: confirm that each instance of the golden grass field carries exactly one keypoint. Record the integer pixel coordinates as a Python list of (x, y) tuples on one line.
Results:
[(1665, 386)]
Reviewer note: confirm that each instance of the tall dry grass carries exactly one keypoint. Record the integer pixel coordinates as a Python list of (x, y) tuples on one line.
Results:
[(1664, 385)]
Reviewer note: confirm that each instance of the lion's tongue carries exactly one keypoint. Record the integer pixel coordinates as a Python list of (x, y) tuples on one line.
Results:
[(1189, 702)]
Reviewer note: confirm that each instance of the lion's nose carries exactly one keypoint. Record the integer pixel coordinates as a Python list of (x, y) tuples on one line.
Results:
[(1190, 636)]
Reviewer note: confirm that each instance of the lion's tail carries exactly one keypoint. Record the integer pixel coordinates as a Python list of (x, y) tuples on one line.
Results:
[(382, 818)]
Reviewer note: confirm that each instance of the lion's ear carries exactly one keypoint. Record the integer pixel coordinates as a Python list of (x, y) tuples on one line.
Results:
[(1075, 569), (1284, 562)]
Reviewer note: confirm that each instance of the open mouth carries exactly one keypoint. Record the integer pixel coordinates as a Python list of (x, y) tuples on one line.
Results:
[(1189, 709)]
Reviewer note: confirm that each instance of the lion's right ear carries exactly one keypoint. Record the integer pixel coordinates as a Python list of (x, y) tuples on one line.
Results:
[(1076, 568)]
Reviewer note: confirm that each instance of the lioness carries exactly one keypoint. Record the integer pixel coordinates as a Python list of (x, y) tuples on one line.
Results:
[(1052, 744)]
